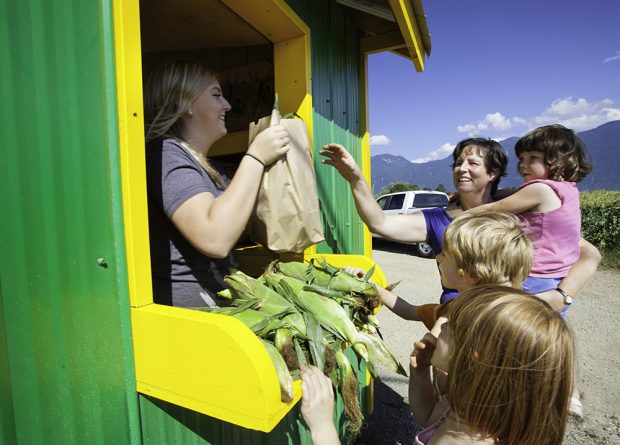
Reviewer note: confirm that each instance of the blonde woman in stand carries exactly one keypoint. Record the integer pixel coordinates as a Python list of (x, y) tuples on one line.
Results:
[(196, 215)]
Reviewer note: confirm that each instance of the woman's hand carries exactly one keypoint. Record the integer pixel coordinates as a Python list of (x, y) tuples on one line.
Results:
[(423, 351), (270, 144), (317, 405), (341, 160)]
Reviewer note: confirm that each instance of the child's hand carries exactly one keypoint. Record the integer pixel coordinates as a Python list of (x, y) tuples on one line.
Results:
[(423, 351), (355, 271), (317, 403)]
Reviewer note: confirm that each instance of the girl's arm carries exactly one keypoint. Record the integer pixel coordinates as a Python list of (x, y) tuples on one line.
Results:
[(579, 275), (404, 228), (213, 226), (536, 197), (421, 396)]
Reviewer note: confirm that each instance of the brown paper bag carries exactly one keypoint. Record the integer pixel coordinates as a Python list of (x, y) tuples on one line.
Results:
[(286, 217)]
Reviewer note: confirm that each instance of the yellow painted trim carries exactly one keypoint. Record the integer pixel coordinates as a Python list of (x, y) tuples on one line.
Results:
[(272, 18), (131, 140), (405, 17), (366, 154), (209, 363), (292, 57)]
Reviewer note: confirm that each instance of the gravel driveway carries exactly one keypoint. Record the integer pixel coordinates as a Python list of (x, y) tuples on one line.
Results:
[(593, 318)]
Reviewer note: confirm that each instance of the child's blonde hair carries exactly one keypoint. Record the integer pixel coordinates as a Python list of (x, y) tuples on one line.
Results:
[(489, 246), (565, 154), (169, 93), (510, 373)]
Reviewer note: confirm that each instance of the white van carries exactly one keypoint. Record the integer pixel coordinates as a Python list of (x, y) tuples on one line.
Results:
[(403, 203)]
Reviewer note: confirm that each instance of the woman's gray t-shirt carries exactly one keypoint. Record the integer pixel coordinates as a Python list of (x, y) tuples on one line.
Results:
[(182, 276)]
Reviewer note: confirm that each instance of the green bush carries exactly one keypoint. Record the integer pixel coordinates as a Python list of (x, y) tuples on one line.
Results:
[(600, 223)]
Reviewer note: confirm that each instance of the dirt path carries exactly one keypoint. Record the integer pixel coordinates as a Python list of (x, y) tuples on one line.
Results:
[(593, 317)]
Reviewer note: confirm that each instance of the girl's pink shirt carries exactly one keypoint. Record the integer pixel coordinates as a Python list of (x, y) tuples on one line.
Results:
[(555, 234)]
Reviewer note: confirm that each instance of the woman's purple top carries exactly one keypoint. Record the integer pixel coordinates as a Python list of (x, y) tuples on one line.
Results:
[(437, 220)]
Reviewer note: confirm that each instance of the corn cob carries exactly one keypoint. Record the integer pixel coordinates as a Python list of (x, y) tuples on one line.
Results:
[(334, 318), (244, 287), (348, 388), (329, 277), (283, 342), (284, 376)]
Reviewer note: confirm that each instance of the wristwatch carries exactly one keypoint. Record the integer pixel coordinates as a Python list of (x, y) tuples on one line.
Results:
[(568, 299)]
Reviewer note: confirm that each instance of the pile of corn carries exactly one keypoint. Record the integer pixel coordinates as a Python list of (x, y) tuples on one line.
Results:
[(305, 313)]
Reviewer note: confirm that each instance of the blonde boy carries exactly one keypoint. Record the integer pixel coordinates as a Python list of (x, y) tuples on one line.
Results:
[(487, 248)]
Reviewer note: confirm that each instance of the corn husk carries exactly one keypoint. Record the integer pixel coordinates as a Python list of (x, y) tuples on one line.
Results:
[(334, 318), (348, 388), (304, 314), (284, 376)]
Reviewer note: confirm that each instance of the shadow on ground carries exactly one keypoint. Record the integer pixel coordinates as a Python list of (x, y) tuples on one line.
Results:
[(391, 422)]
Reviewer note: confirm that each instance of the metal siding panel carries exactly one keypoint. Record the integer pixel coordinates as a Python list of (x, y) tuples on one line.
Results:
[(70, 367), (336, 117)]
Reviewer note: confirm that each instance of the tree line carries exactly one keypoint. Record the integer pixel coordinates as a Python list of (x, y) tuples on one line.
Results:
[(395, 187)]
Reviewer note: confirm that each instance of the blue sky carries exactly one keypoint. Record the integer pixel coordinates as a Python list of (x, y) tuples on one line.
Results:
[(498, 68)]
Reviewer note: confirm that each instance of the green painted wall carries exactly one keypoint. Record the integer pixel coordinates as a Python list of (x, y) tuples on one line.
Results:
[(336, 87), (66, 360), (66, 364)]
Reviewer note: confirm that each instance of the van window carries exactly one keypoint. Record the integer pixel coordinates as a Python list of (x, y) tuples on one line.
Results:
[(429, 200), (397, 202)]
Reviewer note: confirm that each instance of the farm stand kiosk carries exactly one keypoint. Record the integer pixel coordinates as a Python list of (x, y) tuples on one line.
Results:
[(86, 356)]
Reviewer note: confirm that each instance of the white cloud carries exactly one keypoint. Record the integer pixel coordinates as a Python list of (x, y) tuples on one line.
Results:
[(439, 153), (468, 128), (616, 57), (578, 114), (498, 121), (379, 139), (492, 121)]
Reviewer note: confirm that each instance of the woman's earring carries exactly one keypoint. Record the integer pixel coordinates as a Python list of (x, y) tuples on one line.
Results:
[(190, 113)]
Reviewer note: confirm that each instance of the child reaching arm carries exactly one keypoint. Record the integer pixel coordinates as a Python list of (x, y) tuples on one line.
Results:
[(396, 304), (317, 406), (485, 248)]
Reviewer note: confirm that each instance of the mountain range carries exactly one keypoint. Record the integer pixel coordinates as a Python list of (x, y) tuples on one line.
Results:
[(602, 142)]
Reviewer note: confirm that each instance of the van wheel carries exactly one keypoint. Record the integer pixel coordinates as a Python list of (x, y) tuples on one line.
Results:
[(424, 250)]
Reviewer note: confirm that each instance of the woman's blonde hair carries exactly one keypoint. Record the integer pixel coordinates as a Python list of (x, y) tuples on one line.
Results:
[(510, 372), (490, 246), (169, 92)]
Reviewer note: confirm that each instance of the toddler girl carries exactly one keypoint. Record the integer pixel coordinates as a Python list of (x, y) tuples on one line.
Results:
[(551, 160)]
